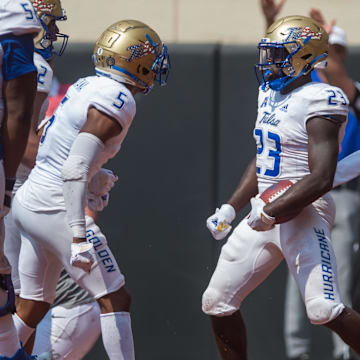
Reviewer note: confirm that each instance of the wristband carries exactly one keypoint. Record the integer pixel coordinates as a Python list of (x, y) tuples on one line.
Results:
[(79, 231), (267, 219)]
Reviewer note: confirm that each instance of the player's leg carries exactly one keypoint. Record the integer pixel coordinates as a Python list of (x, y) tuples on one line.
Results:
[(311, 260), (343, 237), (106, 284), (12, 249), (9, 341), (39, 268), (296, 324), (68, 333), (245, 261)]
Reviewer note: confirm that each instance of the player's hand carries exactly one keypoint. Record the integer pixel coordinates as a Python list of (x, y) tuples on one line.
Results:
[(219, 223), (258, 219), (96, 202), (81, 256), (102, 182), (317, 15), (271, 9)]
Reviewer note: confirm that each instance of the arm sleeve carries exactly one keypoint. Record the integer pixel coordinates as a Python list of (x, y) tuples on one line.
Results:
[(115, 101), (84, 151), (347, 169), (18, 56)]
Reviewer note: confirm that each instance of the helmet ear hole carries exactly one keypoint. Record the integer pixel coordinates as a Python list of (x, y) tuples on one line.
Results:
[(305, 57), (145, 71)]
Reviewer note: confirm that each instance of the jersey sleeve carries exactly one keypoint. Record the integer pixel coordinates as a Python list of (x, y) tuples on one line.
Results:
[(45, 74), (18, 17), (18, 56), (327, 101), (115, 102)]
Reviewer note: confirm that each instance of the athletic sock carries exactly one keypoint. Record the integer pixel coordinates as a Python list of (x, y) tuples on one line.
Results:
[(24, 331), (9, 341), (117, 335)]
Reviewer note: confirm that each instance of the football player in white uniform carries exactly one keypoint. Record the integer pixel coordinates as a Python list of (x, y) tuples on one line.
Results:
[(48, 11), (18, 25), (85, 131), (297, 135)]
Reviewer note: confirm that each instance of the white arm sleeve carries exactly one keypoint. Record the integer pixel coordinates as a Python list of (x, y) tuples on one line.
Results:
[(347, 169), (75, 172)]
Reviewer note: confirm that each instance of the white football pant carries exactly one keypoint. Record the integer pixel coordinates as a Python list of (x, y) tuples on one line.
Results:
[(68, 333), (45, 250), (249, 257)]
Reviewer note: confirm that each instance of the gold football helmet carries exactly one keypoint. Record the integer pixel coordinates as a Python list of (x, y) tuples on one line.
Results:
[(131, 52), (49, 11), (295, 44)]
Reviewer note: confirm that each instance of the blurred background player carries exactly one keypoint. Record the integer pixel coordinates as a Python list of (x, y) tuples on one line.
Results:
[(345, 232), (297, 134), (74, 310), (18, 25), (86, 130)]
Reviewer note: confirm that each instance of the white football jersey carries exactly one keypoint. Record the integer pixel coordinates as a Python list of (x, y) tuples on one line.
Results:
[(43, 191), (18, 17), (280, 130), (44, 79)]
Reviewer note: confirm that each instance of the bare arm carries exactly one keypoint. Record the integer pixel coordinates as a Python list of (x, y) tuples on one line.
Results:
[(246, 189), (101, 125), (336, 74), (19, 94), (323, 152), (34, 138), (270, 10), (335, 71)]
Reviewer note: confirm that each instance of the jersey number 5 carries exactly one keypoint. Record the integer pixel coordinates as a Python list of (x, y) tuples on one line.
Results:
[(273, 152)]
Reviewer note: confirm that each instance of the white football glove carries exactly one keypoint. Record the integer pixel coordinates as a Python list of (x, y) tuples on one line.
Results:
[(258, 219), (102, 182), (81, 256), (96, 202), (219, 223)]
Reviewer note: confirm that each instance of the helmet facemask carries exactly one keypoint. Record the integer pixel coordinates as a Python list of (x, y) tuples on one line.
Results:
[(49, 12)]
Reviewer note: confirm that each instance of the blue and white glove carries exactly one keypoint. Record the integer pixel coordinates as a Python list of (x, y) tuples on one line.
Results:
[(258, 219), (81, 255), (219, 223)]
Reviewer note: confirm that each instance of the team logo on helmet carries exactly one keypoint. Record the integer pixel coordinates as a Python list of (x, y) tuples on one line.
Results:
[(140, 50), (41, 6), (110, 61), (296, 33)]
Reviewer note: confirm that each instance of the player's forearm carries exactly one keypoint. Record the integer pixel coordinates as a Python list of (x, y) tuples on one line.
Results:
[(75, 202), (300, 195), (246, 189), (14, 139), (19, 96), (31, 151)]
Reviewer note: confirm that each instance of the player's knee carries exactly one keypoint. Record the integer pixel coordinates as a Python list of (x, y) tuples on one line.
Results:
[(213, 304), (321, 311)]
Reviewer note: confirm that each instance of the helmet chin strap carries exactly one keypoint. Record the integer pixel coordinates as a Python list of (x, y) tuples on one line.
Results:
[(281, 82)]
